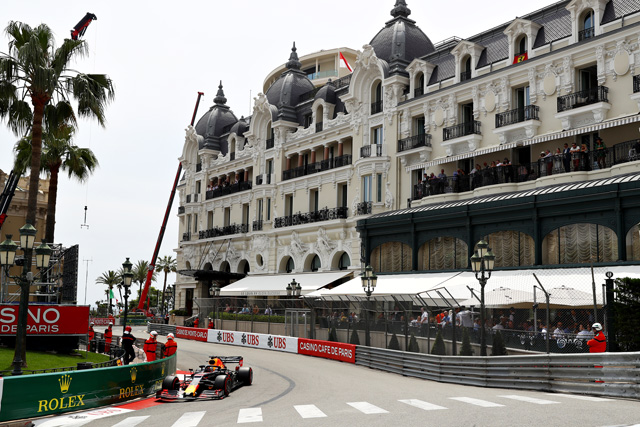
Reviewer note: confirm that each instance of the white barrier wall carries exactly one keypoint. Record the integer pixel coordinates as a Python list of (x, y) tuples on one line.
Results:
[(248, 339)]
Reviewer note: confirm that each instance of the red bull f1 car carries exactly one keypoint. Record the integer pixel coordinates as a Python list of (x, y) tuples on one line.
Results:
[(211, 381)]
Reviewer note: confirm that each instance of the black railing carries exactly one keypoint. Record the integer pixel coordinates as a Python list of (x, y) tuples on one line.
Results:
[(270, 142), (364, 208), (180, 210), (341, 82), (421, 140), (368, 151), (232, 156), (188, 198), (325, 214), (257, 225), (517, 115), (227, 230), (259, 180), (186, 237), (316, 167), (229, 189), (417, 92), (463, 129), (636, 83), (587, 33), (376, 107), (466, 75), (198, 167), (582, 98), (577, 161), (319, 127)]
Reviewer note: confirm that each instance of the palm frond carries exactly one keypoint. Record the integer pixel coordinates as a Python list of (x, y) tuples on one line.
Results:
[(93, 92)]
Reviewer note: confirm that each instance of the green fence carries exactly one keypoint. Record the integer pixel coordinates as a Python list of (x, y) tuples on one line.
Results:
[(32, 396)]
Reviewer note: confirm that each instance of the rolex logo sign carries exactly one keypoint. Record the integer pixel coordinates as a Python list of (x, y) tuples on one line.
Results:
[(65, 383), (162, 374), (134, 373)]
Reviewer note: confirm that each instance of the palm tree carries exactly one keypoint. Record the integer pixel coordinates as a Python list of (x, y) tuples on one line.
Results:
[(140, 274), (167, 265), (58, 153), (111, 279), (33, 69)]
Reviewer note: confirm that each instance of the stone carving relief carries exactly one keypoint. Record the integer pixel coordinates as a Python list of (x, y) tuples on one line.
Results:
[(296, 247), (388, 199), (324, 244), (533, 85), (367, 58), (567, 74)]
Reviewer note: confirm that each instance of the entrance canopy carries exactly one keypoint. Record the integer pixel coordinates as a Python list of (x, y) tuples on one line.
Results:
[(276, 284)]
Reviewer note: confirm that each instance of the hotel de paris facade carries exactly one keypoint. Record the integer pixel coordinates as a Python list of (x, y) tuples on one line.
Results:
[(333, 168)]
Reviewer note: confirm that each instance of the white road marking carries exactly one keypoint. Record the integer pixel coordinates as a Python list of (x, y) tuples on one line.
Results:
[(529, 399), (250, 415), (477, 402), (421, 404), (367, 408), (131, 421), (189, 419), (580, 397), (80, 418), (309, 411)]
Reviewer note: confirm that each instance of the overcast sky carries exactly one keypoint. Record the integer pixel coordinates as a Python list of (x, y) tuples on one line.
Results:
[(159, 54)]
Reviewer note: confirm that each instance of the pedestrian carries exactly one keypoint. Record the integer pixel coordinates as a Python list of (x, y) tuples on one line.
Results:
[(108, 335), (128, 340), (150, 346), (599, 342), (92, 336), (210, 323), (170, 347), (196, 323)]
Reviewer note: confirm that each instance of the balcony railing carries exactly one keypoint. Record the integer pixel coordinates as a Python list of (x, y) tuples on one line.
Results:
[(186, 237), (517, 115), (636, 83), (368, 151), (376, 107), (587, 33), (229, 189), (316, 167), (270, 142), (463, 129), (198, 167), (257, 225), (181, 210), (224, 231), (322, 74), (364, 208), (466, 75), (582, 98), (623, 152), (319, 127), (421, 140), (325, 214), (418, 91), (232, 156)]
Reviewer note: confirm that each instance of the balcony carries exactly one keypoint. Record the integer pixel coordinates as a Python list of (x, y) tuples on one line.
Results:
[(257, 225), (229, 189), (198, 167), (636, 83), (270, 142), (421, 140), (232, 156), (587, 33), (517, 124), (418, 92), (368, 151), (318, 127), (186, 237), (364, 208), (376, 107), (465, 76), (316, 167), (463, 129), (264, 178), (192, 198), (461, 138), (518, 115), (227, 230), (584, 107), (325, 214), (180, 210)]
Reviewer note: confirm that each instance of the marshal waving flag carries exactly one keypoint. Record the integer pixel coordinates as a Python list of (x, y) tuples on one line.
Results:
[(344, 60)]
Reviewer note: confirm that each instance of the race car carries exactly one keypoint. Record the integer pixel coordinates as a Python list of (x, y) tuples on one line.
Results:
[(211, 381)]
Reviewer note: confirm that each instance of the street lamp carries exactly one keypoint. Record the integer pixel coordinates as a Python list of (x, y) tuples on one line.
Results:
[(214, 292), (482, 263), (369, 281), (7, 258), (127, 277)]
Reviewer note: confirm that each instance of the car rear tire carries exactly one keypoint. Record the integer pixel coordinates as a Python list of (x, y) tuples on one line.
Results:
[(245, 375), (171, 383)]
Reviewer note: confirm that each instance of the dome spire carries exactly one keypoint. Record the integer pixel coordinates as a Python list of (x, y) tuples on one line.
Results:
[(220, 98), (400, 9), (294, 63)]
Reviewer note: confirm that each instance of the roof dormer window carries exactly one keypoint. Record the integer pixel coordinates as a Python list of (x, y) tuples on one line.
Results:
[(466, 68), (587, 29)]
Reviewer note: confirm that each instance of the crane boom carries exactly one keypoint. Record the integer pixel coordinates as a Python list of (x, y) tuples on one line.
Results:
[(7, 194)]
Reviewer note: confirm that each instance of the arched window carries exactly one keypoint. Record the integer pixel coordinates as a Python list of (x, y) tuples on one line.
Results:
[(512, 248), (443, 253), (290, 265), (580, 244), (588, 26), (315, 263), (225, 267), (319, 116), (419, 86), (521, 47), (376, 98), (270, 138), (633, 243), (344, 261), (391, 257)]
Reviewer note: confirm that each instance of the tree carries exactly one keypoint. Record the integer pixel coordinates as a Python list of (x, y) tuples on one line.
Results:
[(34, 69), (58, 153), (626, 310), (466, 349), (140, 274), (498, 348), (355, 339), (393, 343), (438, 345), (111, 279), (333, 335), (413, 344), (167, 265)]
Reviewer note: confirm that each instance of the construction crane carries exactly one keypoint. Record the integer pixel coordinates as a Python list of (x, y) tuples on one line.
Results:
[(81, 27), (152, 264), (7, 194)]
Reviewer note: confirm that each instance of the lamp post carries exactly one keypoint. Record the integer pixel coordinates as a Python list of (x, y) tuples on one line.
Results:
[(482, 263), (214, 292), (127, 277), (7, 258), (369, 281)]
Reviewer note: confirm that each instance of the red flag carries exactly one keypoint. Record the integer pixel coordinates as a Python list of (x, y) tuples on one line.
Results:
[(345, 62)]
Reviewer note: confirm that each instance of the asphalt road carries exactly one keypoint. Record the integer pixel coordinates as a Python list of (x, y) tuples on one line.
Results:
[(295, 390)]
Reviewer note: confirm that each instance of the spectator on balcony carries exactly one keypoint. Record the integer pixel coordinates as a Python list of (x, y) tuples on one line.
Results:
[(548, 162), (575, 156), (507, 170), (268, 311), (476, 176), (433, 184), (256, 310), (523, 173), (584, 157), (601, 153), (566, 157), (442, 179)]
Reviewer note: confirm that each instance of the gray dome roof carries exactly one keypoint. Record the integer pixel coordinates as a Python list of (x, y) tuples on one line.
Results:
[(240, 127), (401, 41), (285, 92), (327, 93), (215, 122)]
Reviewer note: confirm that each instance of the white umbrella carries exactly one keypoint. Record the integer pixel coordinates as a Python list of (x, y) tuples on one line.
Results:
[(572, 297), (502, 297)]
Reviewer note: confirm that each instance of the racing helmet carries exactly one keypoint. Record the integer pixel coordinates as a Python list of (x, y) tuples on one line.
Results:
[(127, 328), (597, 326), (110, 323), (154, 333), (216, 362), (91, 324), (170, 336)]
